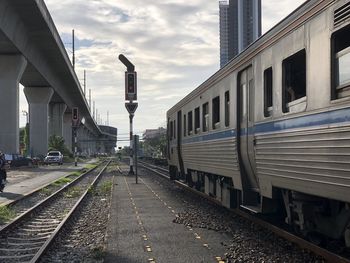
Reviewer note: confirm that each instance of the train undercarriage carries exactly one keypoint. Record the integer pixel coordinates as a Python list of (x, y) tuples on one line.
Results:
[(313, 217)]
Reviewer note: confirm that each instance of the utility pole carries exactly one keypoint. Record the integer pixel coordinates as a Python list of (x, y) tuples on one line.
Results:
[(130, 95), (90, 99), (107, 118), (84, 82), (75, 125), (73, 47), (97, 115), (93, 110)]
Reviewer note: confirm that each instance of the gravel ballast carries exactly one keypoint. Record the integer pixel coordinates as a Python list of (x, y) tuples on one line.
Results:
[(84, 239)]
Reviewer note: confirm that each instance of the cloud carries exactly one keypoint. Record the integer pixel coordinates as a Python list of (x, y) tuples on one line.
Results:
[(174, 45)]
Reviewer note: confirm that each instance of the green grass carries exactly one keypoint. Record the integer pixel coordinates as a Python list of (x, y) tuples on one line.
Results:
[(72, 192), (90, 166), (92, 190), (6, 214), (46, 191), (62, 181), (102, 190), (105, 188), (77, 174)]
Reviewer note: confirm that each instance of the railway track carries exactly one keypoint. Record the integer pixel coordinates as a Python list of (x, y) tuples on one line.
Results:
[(26, 238), (302, 243), (26, 202)]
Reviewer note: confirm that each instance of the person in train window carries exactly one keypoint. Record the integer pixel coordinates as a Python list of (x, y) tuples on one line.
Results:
[(290, 94)]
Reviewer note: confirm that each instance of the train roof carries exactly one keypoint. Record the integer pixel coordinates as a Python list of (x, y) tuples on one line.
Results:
[(294, 20)]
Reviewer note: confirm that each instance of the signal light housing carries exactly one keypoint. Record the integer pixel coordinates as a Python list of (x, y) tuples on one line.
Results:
[(130, 86)]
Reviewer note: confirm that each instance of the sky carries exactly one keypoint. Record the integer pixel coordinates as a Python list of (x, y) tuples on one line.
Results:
[(174, 45)]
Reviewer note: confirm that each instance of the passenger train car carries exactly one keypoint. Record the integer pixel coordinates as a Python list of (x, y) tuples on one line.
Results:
[(270, 132)]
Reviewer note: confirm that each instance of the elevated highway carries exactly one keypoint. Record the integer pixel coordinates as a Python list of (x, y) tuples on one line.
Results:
[(32, 53)]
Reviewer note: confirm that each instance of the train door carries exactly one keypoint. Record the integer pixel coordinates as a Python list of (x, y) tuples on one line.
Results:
[(168, 139), (179, 144), (245, 126)]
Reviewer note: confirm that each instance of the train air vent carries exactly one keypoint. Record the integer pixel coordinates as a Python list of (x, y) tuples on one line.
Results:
[(342, 14)]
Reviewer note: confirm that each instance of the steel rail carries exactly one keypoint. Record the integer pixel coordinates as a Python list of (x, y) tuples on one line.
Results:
[(302, 243), (48, 242), (49, 198), (21, 218), (21, 198)]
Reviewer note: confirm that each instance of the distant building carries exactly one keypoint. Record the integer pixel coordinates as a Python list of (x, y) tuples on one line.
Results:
[(223, 9), (243, 26), (153, 133)]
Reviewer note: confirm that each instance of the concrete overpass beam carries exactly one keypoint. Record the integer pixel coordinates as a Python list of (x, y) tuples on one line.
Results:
[(38, 99), (67, 130), (11, 71), (56, 118)]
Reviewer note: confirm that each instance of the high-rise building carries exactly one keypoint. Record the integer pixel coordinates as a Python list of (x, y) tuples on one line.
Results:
[(243, 26), (223, 9)]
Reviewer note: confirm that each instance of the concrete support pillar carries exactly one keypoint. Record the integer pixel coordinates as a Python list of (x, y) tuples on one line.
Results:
[(94, 147), (38, 99), (81, 139), (85, 141), (67, 130), (11, 71), (91, 144), (56, 112)]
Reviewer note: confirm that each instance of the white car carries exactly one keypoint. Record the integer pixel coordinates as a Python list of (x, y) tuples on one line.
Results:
[(54, 157)]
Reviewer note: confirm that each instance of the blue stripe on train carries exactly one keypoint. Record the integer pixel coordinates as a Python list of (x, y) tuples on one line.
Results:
[(318, 119), (211, 136)]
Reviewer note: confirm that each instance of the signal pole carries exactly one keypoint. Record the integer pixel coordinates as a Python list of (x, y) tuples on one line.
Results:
[(130, 95), (131, 171), (75, 124)]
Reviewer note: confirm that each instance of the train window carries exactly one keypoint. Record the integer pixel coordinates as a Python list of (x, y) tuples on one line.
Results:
[(190, 123), (205, 116), (216, 112), (171, 130), (227, 108), (185, 120), (268, 92), (341, 63), (174, 129), (196, 120), (294, 78)]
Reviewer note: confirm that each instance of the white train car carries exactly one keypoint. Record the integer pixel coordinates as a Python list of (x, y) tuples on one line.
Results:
[(270, 132)]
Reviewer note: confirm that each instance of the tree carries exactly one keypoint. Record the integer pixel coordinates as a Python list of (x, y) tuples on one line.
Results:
[(56, 143), (26, 139), (156, 146)]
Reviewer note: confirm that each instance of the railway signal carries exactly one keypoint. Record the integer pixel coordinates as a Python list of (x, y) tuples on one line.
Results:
[(131, 107), (75, 117), (130, 86), (130, 95)]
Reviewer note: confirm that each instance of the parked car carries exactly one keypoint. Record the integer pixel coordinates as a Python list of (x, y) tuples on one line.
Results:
[(54, 157), (16, 160)]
